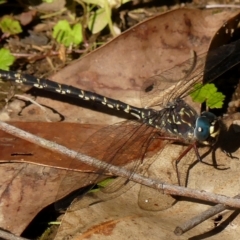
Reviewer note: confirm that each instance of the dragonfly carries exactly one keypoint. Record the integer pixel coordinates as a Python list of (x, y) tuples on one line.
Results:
[(165, 115)]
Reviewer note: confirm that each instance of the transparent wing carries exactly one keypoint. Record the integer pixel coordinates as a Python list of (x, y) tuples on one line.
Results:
[(159, 163), (179, 81), (136, 147), (164, 169), (125, 144)]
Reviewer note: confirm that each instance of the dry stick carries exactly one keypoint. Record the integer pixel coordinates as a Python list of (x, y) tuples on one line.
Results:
[(193, 222), (221, 6), (119, 171)]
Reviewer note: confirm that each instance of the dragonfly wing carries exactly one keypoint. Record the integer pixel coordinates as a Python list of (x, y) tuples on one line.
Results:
[(178, 81), (164, 169), (127, 145), (165, 86)]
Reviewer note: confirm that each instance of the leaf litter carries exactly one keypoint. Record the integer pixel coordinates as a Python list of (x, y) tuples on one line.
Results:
[(87, 74)]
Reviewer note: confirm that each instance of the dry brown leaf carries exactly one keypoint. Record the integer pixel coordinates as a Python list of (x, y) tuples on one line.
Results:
[(16, 149), (27, 188), (117, 70)]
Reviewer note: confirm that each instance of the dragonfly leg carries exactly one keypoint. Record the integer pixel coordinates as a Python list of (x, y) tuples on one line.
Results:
[(182, 155)]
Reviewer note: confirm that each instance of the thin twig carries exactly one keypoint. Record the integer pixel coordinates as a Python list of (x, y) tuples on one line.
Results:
[(9, 236), (120, 171), (26, 98), (222, 6), (193, 222)]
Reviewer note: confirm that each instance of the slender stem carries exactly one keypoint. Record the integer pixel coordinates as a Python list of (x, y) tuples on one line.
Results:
[(193, 222)]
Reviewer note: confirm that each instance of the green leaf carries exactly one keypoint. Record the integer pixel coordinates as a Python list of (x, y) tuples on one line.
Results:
[(64, 34), (6, 59), (77, 34), (208, 93), (3, 1), (98, 21), (61, 32), (104, 183), (10, 26)]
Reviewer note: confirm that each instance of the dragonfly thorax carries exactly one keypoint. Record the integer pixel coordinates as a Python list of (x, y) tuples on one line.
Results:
[(177, 119), (181, 120)]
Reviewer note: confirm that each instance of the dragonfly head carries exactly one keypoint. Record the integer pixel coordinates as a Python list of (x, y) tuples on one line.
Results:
[(207, 128)]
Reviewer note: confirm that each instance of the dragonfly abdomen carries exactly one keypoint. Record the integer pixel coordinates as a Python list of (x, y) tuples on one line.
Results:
[(71, 91)]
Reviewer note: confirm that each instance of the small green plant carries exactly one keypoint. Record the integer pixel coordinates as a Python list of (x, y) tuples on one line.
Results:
[(208, 93), (67, 35), (10, 26), (100, 18), (104, 183), (6, 59)]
